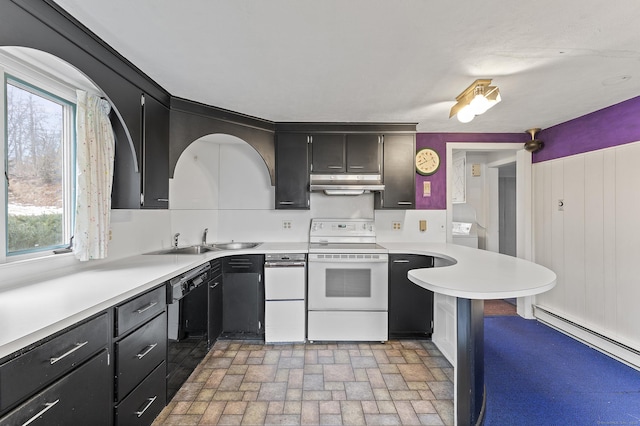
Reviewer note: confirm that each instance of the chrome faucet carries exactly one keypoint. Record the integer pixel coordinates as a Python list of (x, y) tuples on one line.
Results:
[(175, 239), (204, 236)]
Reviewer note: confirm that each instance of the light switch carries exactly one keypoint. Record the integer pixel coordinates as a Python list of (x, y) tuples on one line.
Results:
[(423, 225), (426, 189)]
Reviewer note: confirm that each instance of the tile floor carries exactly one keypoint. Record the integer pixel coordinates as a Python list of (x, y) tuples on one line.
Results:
[(249, 382)]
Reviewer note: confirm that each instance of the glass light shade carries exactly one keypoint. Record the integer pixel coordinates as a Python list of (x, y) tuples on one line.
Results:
[(466, 114), (479, 104)]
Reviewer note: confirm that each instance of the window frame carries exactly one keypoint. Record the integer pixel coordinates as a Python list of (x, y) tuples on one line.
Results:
[(42, 84)]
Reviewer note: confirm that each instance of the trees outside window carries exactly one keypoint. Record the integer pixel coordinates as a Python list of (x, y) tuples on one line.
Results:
[(39, 168)]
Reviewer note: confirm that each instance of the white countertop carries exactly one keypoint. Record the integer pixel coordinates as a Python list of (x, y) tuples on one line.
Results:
[(32, 311), (477, 274)]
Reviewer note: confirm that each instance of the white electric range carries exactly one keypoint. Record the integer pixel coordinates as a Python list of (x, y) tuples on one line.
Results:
[(347, 282)]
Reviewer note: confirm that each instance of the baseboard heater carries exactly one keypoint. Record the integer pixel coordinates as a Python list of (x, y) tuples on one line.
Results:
[(600, 342)]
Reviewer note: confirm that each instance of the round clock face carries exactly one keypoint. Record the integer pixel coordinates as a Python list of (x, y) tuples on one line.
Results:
[(427, 161)]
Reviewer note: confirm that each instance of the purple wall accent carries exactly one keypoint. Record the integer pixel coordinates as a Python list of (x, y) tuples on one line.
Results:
[(438, 141), (615, 125)]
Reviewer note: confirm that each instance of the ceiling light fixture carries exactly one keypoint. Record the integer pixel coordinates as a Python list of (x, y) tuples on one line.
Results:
[(534, 144), (475, 100)]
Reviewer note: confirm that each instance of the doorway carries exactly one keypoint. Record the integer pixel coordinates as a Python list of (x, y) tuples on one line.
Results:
[(515, 163)]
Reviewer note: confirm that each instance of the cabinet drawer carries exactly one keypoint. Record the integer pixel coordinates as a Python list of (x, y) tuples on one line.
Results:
[(139, 353), (131, 314), (42, 365), (83, 397), (146, 401)]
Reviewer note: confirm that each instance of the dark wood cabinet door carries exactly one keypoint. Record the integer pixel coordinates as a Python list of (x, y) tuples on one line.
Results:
[(410, 306), (243, 292), (328, 153), (398, 173), (215, 310), (363, 153), (292, 171), (195, 306), (155, 167)]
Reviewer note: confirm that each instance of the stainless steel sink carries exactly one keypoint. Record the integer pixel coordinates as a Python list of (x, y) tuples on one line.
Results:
[(235, 245), (199, 249)]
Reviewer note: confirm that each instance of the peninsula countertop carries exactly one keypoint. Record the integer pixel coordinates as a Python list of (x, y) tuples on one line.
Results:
[(476, 274)]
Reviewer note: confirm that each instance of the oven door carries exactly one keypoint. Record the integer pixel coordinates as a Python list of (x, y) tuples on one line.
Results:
[(347, 282)]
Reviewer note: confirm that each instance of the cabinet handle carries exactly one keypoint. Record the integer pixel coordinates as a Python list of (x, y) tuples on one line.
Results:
[(404, 203), (47, 406), (150, 401), (401, 261), (334, 167), (163, 200), (356, 167), (67, 353), (146, 308), (216, 284), (285, 203), (146, 352)]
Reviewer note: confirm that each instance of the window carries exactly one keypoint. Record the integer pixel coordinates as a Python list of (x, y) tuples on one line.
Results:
[(39, 167)]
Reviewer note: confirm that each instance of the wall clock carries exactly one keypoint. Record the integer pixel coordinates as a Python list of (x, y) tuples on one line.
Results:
[(427, 161)]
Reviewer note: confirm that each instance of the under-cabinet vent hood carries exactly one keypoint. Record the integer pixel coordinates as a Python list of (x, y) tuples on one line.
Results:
[(346, 184)]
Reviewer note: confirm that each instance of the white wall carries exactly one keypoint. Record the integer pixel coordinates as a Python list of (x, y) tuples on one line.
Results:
[(592, 245)]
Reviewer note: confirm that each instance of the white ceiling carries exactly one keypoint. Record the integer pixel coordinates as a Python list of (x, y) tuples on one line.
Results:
[(381, 60)]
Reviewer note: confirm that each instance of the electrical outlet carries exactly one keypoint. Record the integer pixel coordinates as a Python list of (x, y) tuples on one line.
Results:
[(397, 226), (286, 224), (110, 234)]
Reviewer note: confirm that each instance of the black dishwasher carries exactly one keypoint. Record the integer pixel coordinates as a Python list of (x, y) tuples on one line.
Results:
[(243, 297), (186, 325)]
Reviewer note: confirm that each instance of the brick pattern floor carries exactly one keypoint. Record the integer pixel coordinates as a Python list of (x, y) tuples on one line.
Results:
[(252, 383)]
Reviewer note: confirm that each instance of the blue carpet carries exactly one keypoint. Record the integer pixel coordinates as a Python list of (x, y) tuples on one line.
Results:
[(535, 375)]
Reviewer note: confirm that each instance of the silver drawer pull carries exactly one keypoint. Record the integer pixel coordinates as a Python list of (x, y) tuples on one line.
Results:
[(404, 203), (162, 200), (285, 203), (148, 349), (334, 167), (356, 167), (67, 353), (47, 406), (400, 261), (146, 308), (146, 407)]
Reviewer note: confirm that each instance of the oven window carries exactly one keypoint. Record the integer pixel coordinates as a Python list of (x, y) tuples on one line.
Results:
[(348, 283)]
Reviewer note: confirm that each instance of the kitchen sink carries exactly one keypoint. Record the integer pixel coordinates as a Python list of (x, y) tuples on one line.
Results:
[(198, 249), (235, 246)]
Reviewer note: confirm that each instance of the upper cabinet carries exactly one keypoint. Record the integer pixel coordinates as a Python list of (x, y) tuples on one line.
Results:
[(292, 171), (398, 173), (148, 187), (345, 153), (155, 154)]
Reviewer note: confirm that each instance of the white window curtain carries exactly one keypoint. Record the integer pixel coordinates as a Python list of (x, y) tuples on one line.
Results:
[(94, 167)]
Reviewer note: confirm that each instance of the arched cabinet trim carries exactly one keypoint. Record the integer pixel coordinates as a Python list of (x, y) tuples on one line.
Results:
[(191, 120)]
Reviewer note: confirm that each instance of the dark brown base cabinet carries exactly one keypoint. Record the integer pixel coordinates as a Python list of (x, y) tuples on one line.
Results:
[(65, 379), (410, 306), (140, 358), (243, 291), (214, 311), (80, 398)]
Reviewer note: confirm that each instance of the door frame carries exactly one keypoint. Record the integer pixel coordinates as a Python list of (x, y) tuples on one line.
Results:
[(524, 203)]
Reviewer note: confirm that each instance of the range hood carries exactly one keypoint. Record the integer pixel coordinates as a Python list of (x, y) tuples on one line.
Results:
[(346, 184)]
